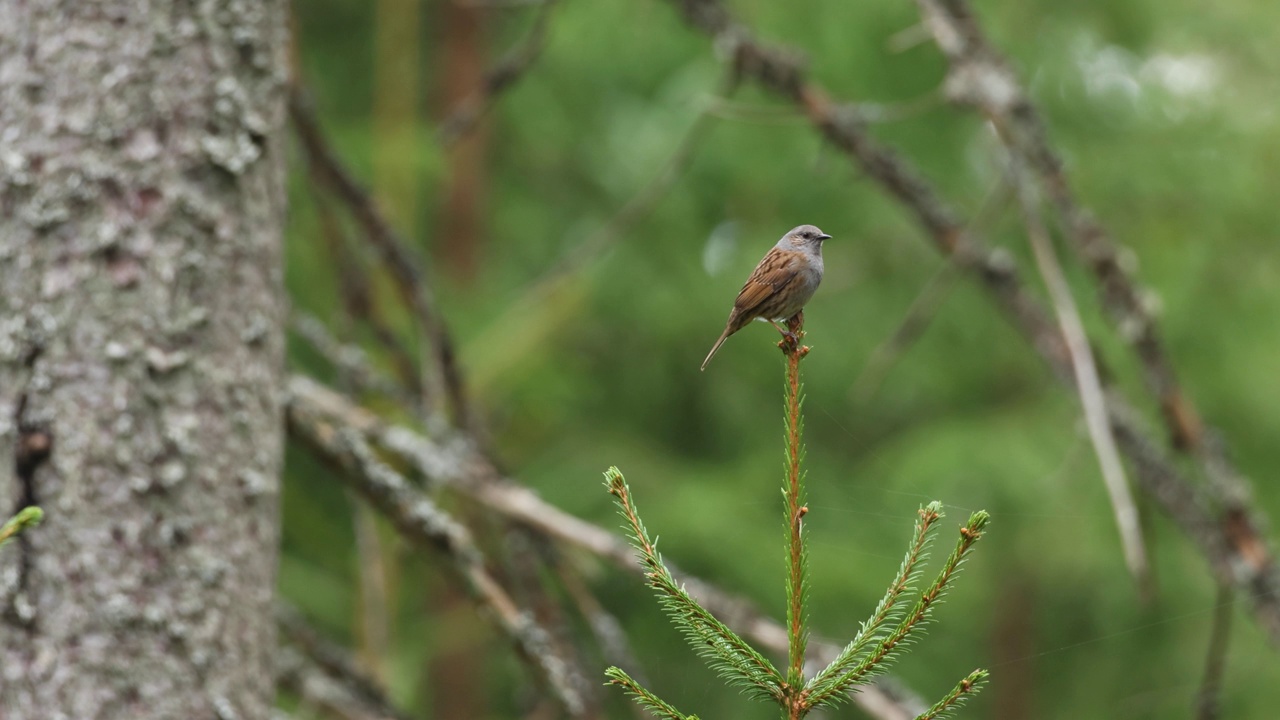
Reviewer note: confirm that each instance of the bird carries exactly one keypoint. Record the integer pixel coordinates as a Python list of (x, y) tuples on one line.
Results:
[(780, 285)]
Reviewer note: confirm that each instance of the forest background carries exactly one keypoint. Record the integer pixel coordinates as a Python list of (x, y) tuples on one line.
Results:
[(585, 232)]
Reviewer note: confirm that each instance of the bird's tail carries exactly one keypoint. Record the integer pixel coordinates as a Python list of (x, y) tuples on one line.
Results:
[(723, 336)]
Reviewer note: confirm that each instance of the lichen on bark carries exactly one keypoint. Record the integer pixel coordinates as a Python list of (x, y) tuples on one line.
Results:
[(141, 304)]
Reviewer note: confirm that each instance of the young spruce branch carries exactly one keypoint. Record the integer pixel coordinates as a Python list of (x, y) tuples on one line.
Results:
[(963, 690), (730, 655), (879, 641), (27, 518), (644, 698), (797, 557)]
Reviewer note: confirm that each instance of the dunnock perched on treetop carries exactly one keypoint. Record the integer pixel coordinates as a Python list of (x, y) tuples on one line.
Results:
[(780, 285)]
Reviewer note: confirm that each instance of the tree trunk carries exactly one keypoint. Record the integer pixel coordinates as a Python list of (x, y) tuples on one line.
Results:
[(141, 302)]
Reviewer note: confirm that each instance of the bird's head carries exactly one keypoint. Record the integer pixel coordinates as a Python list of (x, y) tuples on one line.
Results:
[(805, 236)]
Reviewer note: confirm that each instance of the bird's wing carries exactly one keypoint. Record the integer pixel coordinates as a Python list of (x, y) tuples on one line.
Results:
[(774, 272)]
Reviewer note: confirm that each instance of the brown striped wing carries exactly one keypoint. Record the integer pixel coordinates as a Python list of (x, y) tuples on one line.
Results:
[(763, 292)]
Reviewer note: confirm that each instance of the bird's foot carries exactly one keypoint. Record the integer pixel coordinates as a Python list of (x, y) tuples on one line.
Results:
[(790, 342), (791, 346), (791, 335)]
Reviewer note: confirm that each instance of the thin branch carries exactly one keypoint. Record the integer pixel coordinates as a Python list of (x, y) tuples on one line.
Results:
[(605, 627), (419, 520), (1233, 544), (350, 361), (658, 707), (875, 113), (1088, 384), (456, 464), (336, 665), (354, 288), (392, 249), (526, 561), (981, 77), (1208, 699), (954, 699), (501, 77), (319, 691)]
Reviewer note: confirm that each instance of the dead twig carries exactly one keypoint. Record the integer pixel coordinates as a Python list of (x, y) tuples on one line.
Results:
[(421, 521), (608, 632), (979, 76), (355, 291), (349, 361), (1088, 385), (325, 673), (1215, 664), (392, 249)]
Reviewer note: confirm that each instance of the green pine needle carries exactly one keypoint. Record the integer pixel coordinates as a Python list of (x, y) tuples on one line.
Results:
[(643, 697), (889, 610), (728, 654), (963, 690), (884, 652), (26, 519)]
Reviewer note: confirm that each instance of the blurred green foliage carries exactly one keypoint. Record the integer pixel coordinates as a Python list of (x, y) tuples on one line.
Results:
[(1164, 112)]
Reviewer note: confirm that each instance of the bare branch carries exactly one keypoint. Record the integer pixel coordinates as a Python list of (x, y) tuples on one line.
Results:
[(422, 522), (605, 627), (391, 247), (350, 361), (318, 690), (979, 76), (923, 309), (1215, 664), (1087, 382), (326, 673), (354, 288)]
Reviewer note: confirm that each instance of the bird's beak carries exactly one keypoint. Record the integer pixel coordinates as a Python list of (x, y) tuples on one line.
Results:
[(824, 237)]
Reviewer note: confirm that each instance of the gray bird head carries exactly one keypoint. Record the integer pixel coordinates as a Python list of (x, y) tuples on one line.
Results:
[(805, 237)]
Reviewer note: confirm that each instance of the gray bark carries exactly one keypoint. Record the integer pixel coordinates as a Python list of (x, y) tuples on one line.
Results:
[(141, 302)]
